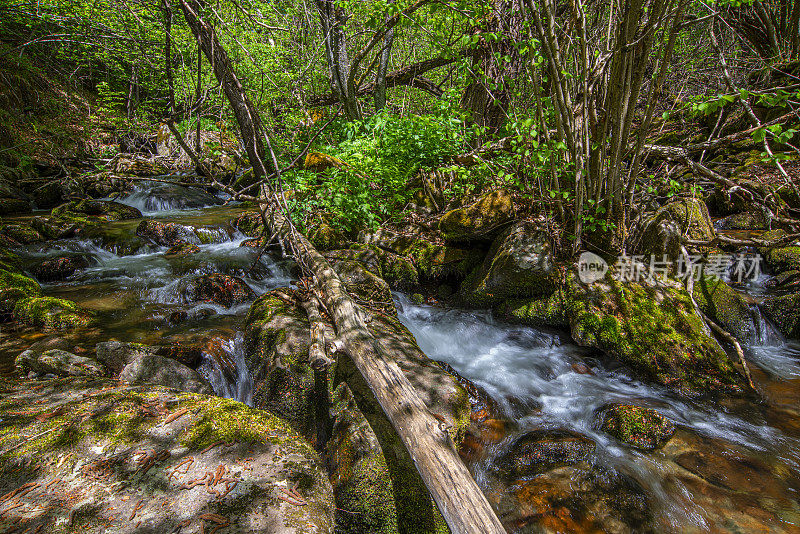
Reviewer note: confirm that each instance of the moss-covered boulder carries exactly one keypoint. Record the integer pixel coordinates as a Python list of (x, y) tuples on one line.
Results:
[(51, 228), (639, 427), (134, 165), (653, 329), (21, 233), (91, 456), (166, 234), (50, 313), (325, 237), (784, 311), (98, 210), (725, 306), (15, 286), (520, 263), (360, 476), (250, 224), (536, 311), (362, 283), (661, 233), (320, 162), (437, 262), (783, 259), (183, 249), (749, 220), (479, 220), (57, 362)]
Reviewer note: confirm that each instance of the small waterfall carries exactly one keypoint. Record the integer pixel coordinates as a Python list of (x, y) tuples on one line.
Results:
[(228, 371)]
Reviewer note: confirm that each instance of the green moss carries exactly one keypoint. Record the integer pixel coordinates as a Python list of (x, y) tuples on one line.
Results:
[(325, 237), (547, 311), (435, 262), (51, 313), (478, 219), (783, 259), (725, 306), (643, 428)]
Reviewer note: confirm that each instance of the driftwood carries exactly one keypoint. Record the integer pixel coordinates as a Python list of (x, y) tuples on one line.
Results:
[(463, 506)]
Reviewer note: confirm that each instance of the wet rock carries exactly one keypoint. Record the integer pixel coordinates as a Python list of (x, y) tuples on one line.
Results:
[(250, 224), (154, 369), (45, 227), (542, 450), (21, 233), (399, 272), (749, 220), (151, 459), (171, 196), (519, 264), (784, 280), (104, 210), (784, 311), (57, 362), (639, 427), (15, 286), (725, 306), (60, 268), (51, 313), (188, 356), (478, 221), (138, 166), (256, 242), (165, 234), (183, 249), (219, 288), (362, 284), (653, 329), (726, 469), (783, 259)]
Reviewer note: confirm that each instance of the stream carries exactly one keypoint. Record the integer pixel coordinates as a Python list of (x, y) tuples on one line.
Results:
[(732, 466)]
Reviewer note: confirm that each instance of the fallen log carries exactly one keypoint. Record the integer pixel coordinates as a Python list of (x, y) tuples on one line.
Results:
[(463, 506)]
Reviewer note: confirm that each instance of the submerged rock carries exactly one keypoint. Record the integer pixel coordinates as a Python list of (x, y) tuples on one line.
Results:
[(538, 451), (478, 221), (519, 264), (642, 428), (104, 210), (148, 459), (154, 369), (220, 289), (58, 362), (51, 313), (653, 329), (60, 268)]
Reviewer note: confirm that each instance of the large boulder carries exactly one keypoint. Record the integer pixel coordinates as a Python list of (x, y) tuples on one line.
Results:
[(398, 271), (114, 458), (115, 355), (15, 286), (549, 311), (170, 196), (782, 259), (96, 210), (50, 313), (479, 220), (652, 328), (166, 234), (58, 362), (325, 237), (222, 289), (519, 264), (21, 233), (784, 311), (362, 284), (154, 369), (661, 233), (637, 426), (725, 306)]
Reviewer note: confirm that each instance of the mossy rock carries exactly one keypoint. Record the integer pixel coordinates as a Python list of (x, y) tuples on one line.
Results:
[(478, 221), (547, 311), (784, 311), (639, 427), (320, 162), (783, 259), (520, 263), (398, 271), (250, 224), (654, 330), (183, 249), (725, 306), (105, 210), (749, 220), (538, 451), (150, 459), (436, 262), (58, 362), (21, 233), (51, 313), (361, 478), (14, 287), (662, 232), (364, 285), (325, 237)]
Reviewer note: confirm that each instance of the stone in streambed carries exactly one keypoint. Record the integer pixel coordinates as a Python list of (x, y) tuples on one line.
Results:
[(96, 210), (57, 362), (51, 313), (538, 451), (639, 427), (59, 268), (154, 369), (166, 234), (220, 289)]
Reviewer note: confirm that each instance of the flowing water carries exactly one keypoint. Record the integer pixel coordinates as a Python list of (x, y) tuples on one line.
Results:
[(731, 467)]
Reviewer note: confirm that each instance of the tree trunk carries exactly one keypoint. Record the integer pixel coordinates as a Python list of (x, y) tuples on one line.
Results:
[(460, 501), (383, 65)]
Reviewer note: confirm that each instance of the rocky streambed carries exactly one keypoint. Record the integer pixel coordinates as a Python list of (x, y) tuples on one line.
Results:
[(609, 407)]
